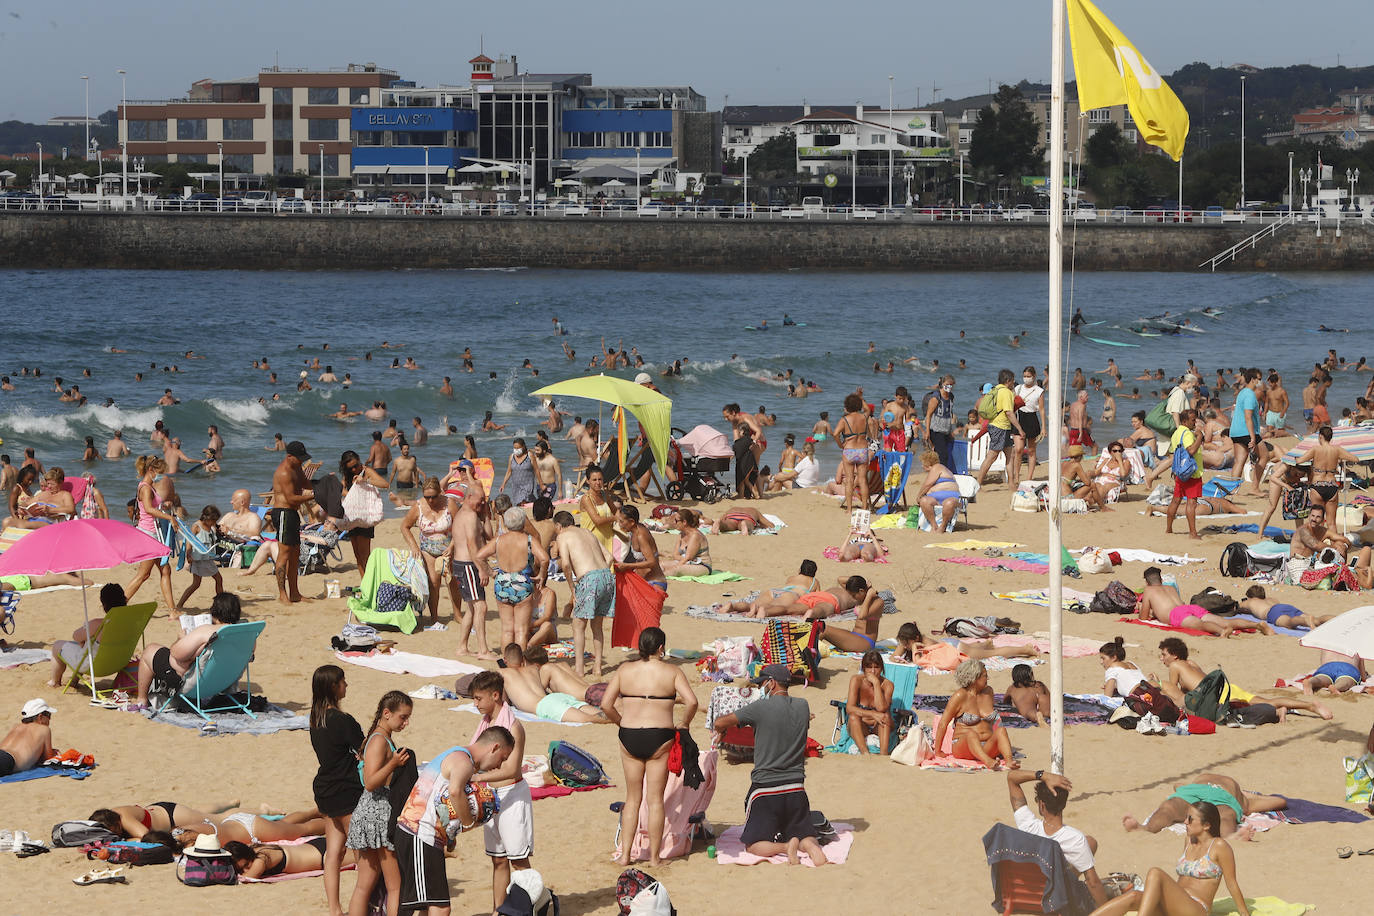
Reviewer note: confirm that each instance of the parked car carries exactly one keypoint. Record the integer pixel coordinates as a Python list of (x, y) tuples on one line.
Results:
[(256, 200), (1086, 211), (569, 208), (291, 205), (649, 209), (1020, 212), (1121, 213), (1213, 212)]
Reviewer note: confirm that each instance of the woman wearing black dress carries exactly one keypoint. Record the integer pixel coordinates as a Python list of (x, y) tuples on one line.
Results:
[(336, 738)]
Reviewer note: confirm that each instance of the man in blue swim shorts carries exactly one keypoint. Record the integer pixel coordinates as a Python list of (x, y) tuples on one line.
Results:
[(1336, 674), (585, 562), (1277, 614)]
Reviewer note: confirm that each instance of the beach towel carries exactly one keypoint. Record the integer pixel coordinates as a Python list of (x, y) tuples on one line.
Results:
[(1136, 555), (1073, 648), (715, 578), (730, 850), (505, 717), (1269, 532), (538, 792), (638, 605), (1009, 564), (9, 536), (1079, 709), (44, 771), (1302, 811), (973, 544), (1040, 597), (519, 714), (1164, 626), (1259, 906), (13, 658), (268, 721), (398, 567), (1286, 631), (1268, 549), (833, 553), (408, 663), (889, 521), (894, 467)]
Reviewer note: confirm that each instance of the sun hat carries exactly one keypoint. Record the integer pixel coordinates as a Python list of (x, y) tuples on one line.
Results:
[(207, 844), (35, 707)]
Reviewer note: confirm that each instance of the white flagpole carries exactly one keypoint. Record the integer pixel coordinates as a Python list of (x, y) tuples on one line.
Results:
[(1054, 385)]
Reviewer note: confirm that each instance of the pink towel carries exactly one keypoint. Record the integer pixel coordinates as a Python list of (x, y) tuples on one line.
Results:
[(730, 851), (504, 718), (1070, 651)]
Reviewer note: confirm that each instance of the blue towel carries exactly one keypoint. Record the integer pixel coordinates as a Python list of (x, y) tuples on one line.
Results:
[(1286, 631), (45, 771), (887, 460), (1302, 811), (1269, 531)]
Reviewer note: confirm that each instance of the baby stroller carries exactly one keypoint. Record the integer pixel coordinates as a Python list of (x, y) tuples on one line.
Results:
[(706, 454)]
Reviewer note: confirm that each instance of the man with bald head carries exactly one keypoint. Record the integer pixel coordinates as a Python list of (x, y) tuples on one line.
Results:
[(242, 523)]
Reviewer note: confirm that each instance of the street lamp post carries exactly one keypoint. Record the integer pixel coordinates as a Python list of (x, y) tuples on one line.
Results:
[(637, 198), (219, 204), (321, 177), (891, 139), (86, 81), (426, 176), (746, 185), (1290, 182), (1304, 176), (1242, 142), (961, 178), (124, 133), (1353, 177), (39, 179), (854, 178)]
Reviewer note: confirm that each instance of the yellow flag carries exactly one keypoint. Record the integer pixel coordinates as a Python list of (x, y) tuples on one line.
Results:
[(1110, 71)]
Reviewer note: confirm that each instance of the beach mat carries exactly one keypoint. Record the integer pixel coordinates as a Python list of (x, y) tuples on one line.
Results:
[(1259, 906), (972, 544), (1164, 626), (271, 720), (1040, 597), (1269, 532), (715, 578), (1286, 631), (1081, 709), (538, 792), (42, 772), (409, 663), (519, 714), (13, 658), (730, 849), (1302, 811)]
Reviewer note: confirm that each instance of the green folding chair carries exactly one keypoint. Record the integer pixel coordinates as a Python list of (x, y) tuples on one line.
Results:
[(218, 667), (119, 638)]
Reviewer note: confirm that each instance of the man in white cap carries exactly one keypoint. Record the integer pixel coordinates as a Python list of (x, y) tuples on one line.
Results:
[(646, 380), (30, 742), (777, 813)]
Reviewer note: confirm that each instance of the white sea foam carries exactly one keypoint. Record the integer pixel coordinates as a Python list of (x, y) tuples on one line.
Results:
[(240, 413), (113, 418), (25, 422)]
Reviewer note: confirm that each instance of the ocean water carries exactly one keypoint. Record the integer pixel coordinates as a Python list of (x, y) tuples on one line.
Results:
[(65, 322)]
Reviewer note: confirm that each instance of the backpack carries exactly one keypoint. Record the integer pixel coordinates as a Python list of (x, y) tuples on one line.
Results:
[(1296, 502), (1239, 562), (1185, 465), (130, 852), (574, 767), (1148, 698), (1215, 602), (1211, 698), (206, 871), (792, 643), (1116, 598), (987, 404), (631, 884), (79, 833)]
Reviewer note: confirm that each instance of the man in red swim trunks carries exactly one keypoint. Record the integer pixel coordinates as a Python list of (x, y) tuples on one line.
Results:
[(1080, 426), (1188, 437)]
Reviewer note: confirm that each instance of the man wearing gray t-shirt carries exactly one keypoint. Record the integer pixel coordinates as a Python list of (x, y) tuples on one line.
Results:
[(777, 813)]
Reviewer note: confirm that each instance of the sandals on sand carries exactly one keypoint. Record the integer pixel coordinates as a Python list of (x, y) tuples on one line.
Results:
[(1344, 852), (114, 875)]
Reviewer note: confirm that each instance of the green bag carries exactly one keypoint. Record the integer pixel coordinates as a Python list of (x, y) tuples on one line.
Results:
[(1359, 778), (1160, 420), (1211, 698), (987, 404)]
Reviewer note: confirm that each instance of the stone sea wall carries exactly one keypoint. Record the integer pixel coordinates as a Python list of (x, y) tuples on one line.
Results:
[(299, 242)]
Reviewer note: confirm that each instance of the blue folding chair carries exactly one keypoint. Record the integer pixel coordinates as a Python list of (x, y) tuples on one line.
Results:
[(218, 667), (904, 678)]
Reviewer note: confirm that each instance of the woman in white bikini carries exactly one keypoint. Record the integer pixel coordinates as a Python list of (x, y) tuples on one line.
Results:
[(693, 550), (431, 516)]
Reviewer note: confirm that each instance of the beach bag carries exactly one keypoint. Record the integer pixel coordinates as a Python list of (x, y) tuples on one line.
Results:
[(394, 599), (913, 749), (1359, 778), (987, 404), (1296, 502), (1116, 598), (1185, 465), (1095, 560), (574, 767), (363, 504), (734, 655), (129, 852), (1221, 486), (1214, 602), (631, 883), (1235, 561), (1211, 698), (79, 833), (737, 743), (206, 871), (791, 643), (1148, 698), (1029, 497), (1160, 420)]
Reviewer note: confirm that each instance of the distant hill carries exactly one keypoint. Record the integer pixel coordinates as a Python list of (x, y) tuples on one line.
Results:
[(22, 138)]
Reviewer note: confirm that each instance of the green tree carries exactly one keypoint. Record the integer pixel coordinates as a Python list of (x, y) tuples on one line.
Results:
[(1106, 147), (1005, 136), (775, 158)]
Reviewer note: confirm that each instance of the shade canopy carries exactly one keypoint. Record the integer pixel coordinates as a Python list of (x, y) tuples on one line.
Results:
[(1351, 633), (79, 544), (1357, 440), (652, 410)]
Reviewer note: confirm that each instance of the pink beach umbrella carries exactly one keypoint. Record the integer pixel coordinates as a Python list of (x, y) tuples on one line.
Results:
[(79, 545)]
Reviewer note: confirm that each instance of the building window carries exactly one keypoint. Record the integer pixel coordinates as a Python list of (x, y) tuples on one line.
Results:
[(370, 138), (1099, 116), (191, 129), (281, 129), (658, 138), (627, 138), (363, 180), (331, 164), (281, 95), (238, 128), (322, 129), (198, 158), (238, 162), (358, 96), (875, 140), (282, 165), (420, 138), (593, 140), (1129, 135), (322, 96), (148, 130)]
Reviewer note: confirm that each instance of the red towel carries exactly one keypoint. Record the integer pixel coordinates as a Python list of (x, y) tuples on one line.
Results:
[(637, 605)]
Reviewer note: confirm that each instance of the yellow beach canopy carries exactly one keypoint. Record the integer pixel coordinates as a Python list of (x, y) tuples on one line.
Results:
[(653, 411)]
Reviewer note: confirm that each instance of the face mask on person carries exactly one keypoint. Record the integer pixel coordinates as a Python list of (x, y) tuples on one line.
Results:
[(518, 451), (946, 388), (1028, 380)]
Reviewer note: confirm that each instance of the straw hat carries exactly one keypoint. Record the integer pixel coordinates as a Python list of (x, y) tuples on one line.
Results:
[(207, 845), (1075, 451)]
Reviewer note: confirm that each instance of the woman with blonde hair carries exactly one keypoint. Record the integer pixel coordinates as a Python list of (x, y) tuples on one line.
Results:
[(154, 520)]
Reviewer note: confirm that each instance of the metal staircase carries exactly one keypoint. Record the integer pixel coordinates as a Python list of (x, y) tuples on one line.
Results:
[(1229, 254)]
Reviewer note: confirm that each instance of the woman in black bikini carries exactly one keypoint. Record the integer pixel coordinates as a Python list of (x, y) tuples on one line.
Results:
[(640, 699), (267, 860), (133, 821)]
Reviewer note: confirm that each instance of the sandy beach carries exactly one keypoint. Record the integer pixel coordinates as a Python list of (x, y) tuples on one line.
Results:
[(918, 844)]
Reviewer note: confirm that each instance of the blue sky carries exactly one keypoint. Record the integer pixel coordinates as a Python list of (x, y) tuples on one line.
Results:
[(756, 52)]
